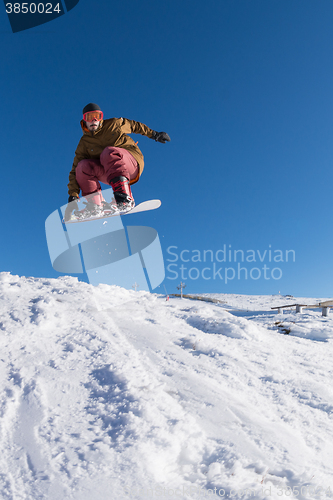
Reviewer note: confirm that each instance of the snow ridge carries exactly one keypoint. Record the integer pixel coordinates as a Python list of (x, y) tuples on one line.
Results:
[(110, 393)]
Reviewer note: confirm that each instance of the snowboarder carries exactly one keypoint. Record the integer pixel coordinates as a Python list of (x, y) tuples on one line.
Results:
[(106, 154)]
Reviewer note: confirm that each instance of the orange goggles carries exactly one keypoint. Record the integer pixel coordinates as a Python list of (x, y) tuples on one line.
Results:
[(93, 115)]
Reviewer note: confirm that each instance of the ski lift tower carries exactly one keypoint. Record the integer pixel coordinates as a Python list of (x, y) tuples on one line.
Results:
[(180, 287)]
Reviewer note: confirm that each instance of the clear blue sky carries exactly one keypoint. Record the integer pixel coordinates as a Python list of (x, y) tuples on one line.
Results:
[(244, 88)]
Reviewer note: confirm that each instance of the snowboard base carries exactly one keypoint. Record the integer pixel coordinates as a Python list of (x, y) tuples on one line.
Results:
[(142, 207)]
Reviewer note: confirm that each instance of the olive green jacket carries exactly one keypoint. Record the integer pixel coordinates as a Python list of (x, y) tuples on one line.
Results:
[(111, 132)]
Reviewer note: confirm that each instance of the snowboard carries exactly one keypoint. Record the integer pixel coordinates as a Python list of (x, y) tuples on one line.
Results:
[(142, 207)]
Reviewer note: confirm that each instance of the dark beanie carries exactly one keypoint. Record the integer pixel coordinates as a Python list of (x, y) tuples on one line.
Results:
[(91, 107)]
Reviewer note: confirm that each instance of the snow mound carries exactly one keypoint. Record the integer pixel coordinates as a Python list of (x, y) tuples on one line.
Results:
[(110, 393)]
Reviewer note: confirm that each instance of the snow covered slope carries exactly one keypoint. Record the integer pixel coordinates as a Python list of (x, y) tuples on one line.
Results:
[(111, 394)]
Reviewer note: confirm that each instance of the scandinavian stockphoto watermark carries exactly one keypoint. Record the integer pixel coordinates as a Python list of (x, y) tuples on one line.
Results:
[(109, 251), (198, 492), (227, 264)]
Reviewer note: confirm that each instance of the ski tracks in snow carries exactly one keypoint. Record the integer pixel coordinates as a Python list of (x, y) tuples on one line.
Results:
[(251, 391), (108, 393)]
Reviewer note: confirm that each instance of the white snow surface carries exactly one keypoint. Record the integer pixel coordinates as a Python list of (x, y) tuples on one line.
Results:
[(112, 394)]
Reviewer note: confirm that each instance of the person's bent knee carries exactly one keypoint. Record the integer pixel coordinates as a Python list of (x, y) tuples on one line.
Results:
[(83, 164), (110, 151)]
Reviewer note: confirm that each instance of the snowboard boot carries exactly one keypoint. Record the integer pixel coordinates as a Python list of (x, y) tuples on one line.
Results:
[(110, 208), (122, 194), (90, 210)]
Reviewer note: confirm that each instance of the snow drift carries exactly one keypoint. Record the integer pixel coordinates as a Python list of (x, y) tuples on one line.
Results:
[(110, 394)]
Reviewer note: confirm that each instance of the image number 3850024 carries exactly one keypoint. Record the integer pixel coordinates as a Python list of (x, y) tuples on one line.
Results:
[(26, 15)]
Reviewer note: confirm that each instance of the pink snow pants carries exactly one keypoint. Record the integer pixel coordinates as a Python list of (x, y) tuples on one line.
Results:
[(113, 162)]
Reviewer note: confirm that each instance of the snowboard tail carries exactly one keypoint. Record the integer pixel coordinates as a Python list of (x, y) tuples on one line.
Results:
[(142, 207)]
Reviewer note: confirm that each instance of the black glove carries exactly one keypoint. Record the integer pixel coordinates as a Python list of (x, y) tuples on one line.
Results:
[(161, 137), (72, 205)]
